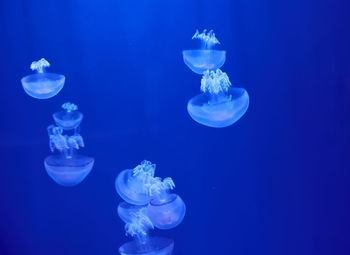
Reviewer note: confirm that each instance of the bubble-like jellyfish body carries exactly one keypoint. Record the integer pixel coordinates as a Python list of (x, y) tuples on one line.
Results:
[(167, 212), (152, 246), (130, 183), (42, 85), (68, 172), (126, 211), (201, 60), (205, 58), (67, 168), (69, 118), (219, 105)]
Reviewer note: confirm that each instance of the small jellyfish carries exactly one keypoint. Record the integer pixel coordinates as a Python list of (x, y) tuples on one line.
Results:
[(69, 118), (42, 85), (204, 58), (166, 212), (67, 168), (219, 105), (152, 205), (131, 184)]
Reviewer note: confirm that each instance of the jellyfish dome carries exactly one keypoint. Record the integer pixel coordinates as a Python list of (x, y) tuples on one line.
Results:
[(68, 171), (42, 85), (126, 211), (205, 58), (219, 105), (152, 246), (68, 168), (166, 212), (131, 183), (69, 118)]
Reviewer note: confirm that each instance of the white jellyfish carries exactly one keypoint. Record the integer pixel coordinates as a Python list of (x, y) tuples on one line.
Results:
[(205, 58), (42, 85), (149, 204), (69, 117), (220, 105), (68, 168)]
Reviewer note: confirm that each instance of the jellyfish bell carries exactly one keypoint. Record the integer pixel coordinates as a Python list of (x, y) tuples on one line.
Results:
[(205, 58), (221, 111), (127, 211), (201, 60), (219, 105), (68, 171), (131, 188), (42, 85), (69, 117), (166, 212), (152, 246)]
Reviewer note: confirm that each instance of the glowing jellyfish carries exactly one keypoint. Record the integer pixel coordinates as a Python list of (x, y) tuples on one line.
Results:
[(69, 118), (67, 168), (204, 58), (42, 85), (149, 204), (166, 212), (219, 105)]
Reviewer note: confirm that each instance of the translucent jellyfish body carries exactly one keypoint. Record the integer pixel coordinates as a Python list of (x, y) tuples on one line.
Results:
[(167, 212), (126, 211), (131, 189), (67, 168), (68, 171), (205, 58), (219, 105), (69, 118), (152, 246), (42, 85)]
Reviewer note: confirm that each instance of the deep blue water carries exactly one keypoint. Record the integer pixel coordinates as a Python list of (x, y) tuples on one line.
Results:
[(276, 182)]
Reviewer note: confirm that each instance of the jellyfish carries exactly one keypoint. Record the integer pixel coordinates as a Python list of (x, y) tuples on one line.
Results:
[(148, 203), (42, 85), (138, 226), (69, 117), (205, 58), (131, 184), (220, 105), (67, 168)]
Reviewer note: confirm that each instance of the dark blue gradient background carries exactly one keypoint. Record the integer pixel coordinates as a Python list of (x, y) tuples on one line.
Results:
[(274, 183)]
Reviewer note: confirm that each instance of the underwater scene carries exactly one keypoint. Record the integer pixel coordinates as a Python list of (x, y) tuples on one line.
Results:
[(188, 127)]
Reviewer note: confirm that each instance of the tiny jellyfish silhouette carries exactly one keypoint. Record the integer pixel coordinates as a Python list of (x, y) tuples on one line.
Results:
[(67, 168), (42, 85), (220, 105), (205, 58), (148, 204)]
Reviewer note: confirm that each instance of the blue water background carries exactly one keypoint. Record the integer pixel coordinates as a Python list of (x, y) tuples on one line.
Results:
[(276, 182)]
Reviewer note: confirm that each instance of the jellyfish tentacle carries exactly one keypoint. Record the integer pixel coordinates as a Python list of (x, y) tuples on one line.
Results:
[(69, 107), (139, 225), (64, 143), (208, 40), (215, 82), (40, 65)]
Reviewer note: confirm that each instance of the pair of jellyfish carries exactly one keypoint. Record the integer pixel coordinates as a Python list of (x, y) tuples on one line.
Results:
[(42, 85), (148, 203), (68, 168), (220, 105)]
